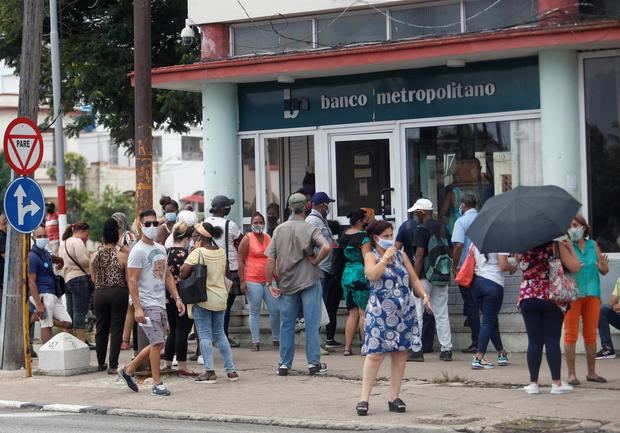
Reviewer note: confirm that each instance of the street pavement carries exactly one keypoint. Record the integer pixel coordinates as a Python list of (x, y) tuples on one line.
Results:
[(441, 396)]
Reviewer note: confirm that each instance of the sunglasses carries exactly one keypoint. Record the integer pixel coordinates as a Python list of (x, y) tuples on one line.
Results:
[(151, 223)]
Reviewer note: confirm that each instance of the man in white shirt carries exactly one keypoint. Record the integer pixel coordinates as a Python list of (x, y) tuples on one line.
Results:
[(220, 208)]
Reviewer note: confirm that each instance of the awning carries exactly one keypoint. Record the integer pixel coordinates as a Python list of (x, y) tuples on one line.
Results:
[(194, 198)]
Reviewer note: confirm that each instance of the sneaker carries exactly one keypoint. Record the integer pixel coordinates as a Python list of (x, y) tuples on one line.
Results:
[(207, 377), (532, 388), (128, 379), (160, 390), (321, 367), (33, 354), (282, 370), (415, 357), (332, 344), (606, 353), (200, 360), (232, 376), (481, 364), (445, 355), (324, 352), (193, 357), (300, 325), (233, 342), (502, 359), (565, 388), (175, 363), (470, 349)]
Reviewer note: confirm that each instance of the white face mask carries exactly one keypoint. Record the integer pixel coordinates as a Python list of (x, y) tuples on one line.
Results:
[(41, 243), (149, 232), (385, 243), (258, 228), (576, 233)]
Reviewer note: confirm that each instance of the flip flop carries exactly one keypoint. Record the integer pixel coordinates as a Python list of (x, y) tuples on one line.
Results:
[(597, 379), (347, 353), (574, 382)]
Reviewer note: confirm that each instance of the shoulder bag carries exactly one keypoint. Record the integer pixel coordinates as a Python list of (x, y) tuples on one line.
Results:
[(465, 275), (562, 285), (233, 276), (91, 285), (193, 289)]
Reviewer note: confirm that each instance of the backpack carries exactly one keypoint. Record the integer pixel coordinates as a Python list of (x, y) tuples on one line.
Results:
[(438, 263)]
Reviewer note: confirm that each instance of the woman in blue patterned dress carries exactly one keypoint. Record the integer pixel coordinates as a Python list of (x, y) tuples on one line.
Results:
[(391, 324)]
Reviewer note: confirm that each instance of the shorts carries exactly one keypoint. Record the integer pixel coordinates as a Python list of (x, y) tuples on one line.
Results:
[(54, 309), (156, 333)]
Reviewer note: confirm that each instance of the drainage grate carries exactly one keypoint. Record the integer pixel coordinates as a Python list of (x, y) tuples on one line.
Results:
[(535, 425)]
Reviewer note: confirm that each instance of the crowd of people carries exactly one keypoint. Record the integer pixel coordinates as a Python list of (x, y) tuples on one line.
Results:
[(395, 289)]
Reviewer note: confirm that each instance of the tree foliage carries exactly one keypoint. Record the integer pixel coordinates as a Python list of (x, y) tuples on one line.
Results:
[(96, 40), (5, 179), (75, 165)]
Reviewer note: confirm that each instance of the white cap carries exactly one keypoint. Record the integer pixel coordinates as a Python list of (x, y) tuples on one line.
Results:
[(422, 204)]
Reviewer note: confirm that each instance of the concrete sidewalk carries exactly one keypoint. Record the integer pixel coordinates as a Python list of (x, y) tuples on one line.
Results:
[(443, 396)]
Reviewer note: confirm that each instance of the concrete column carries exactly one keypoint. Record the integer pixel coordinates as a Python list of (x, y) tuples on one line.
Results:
[(215, 41), (222, 158), (559, 103)]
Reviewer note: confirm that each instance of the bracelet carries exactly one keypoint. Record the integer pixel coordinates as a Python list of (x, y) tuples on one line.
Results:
[(383, 260)]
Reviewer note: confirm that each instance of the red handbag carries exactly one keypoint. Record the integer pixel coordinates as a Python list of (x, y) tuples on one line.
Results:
[(465, 275)]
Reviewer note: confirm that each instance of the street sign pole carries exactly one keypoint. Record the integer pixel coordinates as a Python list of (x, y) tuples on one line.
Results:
[(25, 310)]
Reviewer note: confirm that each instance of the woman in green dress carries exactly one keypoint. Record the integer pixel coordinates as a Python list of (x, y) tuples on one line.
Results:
[(354, 244)]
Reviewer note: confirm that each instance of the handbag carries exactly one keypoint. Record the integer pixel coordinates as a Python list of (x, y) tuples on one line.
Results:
[(562, 285), (235, 287), (193, 289), (91, 285), (60, 286), (465, 275)]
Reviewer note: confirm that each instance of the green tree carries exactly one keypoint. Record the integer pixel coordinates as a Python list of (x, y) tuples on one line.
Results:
[(5, 179), (95, 212), (97, 58), (75, 165)]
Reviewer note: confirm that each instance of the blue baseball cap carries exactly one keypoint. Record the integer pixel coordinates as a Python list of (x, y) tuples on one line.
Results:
[(320, 198)]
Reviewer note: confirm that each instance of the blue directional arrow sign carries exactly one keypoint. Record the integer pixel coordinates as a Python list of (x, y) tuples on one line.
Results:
[(24, 204)]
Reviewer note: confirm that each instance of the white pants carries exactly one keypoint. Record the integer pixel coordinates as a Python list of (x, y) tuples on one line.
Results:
[(439, 304), (54, 309)]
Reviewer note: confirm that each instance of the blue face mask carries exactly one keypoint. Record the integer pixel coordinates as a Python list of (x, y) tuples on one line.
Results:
[(170, 216), (42, 243), (386, 243)]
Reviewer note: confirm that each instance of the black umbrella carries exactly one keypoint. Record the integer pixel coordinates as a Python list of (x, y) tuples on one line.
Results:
[(521, 219)]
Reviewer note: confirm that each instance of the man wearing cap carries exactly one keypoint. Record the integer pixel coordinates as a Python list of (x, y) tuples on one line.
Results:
[(293, 254), (220, 208), (461, 243), (427, 232), (317, 217)]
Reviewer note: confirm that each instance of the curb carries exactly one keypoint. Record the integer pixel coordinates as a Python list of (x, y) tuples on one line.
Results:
[(232, 419)]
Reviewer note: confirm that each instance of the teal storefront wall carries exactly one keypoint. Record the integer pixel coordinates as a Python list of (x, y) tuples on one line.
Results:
[(481, 87)]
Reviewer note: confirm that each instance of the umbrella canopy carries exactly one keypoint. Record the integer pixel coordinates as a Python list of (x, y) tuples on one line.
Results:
[(521, 219)]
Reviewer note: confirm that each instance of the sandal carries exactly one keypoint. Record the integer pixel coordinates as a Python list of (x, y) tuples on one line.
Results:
[(347, 352), (362, 408), (397, 405), (574, 382), (597, 379), (255, 347), (125, 345)]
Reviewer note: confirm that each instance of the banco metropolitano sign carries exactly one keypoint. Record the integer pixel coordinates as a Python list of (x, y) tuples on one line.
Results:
[(482, 87)]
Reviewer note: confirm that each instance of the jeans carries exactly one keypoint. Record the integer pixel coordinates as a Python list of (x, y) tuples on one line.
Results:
[(489, 296), (78, 300), (256, 293), (210, 327), (543, 323), (180, 327), (229, 304), (439, 304), (608, 317), (471, 312), (310, 300), (110, 311), (332, 292)]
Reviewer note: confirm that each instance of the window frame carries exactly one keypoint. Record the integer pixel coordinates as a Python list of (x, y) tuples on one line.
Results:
[(255, 23), (193, 137)]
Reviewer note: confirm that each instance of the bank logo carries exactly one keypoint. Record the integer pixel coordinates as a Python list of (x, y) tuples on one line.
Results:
[(293, 106)]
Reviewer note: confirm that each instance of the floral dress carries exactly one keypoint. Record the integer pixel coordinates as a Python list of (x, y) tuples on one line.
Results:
[(391, 323), (354, 283), (535, 267)]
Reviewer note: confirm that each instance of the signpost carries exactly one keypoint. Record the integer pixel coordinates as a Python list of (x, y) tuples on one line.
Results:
[(24, 202)]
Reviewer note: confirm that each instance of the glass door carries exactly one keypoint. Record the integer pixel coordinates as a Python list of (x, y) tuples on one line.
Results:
[(364, 175)]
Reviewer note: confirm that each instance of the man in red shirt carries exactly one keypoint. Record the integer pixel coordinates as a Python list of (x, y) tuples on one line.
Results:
[(51, 227)]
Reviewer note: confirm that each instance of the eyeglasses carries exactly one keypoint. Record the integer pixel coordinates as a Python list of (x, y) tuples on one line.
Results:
[(150, 223)]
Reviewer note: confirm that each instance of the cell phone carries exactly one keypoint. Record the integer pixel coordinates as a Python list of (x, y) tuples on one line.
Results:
[(148, 323)]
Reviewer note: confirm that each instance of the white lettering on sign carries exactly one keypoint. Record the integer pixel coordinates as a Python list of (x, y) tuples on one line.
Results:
[(453, 90), (335, 102)]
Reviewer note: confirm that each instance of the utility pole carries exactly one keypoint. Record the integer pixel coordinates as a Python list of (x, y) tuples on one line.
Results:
[(11, 345), (143, 146), (58, 132)]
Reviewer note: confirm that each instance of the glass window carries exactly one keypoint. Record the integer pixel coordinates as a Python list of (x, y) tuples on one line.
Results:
[(444, 162), (113, 153), (600, 8), (157, 149), (425, 21), (602, 110), (350, 29), (248, 173), (191, 148), (363, 168), (275, 37), (489, 14)]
